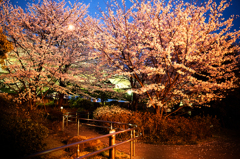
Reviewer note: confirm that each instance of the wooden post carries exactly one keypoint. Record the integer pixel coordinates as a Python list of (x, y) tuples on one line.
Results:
[(131, 145), (78, 151), (63, 123), (112, 142), (67, 119), (78, 135), (78, 128), (76, 116), (134, 142)]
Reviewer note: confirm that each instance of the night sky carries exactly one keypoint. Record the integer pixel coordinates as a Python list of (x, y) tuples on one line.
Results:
[(234, 9)]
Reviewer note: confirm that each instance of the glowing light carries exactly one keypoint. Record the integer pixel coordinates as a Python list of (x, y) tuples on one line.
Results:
[(129, 92), (71, 27)]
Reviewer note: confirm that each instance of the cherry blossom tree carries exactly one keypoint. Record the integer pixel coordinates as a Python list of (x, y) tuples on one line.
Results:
[(50, 48), (5, 47), (176, 51)]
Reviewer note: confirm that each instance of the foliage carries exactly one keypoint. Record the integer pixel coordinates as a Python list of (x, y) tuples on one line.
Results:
[(5, 46), (110, 111), (165, 46), (91, 147), (181, 130), (53, 114), (6, 102), (21, 137), (175, 130), (47, 53), (228, 110), (48, 103), (81, 103)]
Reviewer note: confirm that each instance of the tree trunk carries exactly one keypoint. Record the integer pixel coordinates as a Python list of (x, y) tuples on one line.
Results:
[(103, 98), (135, 102), (157, 109), (61, 95), (60, 101)]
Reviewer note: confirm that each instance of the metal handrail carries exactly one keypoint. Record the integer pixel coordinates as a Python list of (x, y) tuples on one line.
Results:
[(106, 148), (103, 121), (111, 147), (82, 142), (75, 116)]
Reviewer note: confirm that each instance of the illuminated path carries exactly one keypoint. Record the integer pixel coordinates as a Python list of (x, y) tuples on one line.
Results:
[(228, 149)]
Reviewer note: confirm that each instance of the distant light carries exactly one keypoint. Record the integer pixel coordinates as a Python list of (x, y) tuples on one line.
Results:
[(168, 110), (61, 107), (129, 92), (181, 104), (71, 27)]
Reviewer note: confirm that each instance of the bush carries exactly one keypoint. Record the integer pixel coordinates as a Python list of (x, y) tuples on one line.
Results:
[(181, 130), (21, 137), (113, 113), (92, 145), (110, 111), (54, 114), (175, 130), (50, 103), (81, 104)]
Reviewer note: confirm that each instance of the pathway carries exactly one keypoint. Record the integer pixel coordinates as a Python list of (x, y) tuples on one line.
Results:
[(221, 149)]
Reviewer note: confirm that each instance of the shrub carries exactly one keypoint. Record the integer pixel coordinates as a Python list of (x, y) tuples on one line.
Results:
[(113, 113), (21, 137), (175, 130), (110, 111), (50, 103), (92, 146), (89, 145), (180, 130), (81, 104)]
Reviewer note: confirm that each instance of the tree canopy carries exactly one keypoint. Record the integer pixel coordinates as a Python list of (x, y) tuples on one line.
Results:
[(166, 46), (5, 47), (173, 52), (50, 48)]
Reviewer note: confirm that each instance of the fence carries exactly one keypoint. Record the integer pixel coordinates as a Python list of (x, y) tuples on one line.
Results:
[(75, 116)]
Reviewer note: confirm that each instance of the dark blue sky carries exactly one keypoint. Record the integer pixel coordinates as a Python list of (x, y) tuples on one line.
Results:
[(234, 9)]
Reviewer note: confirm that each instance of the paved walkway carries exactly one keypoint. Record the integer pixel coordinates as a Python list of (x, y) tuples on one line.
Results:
[(222, 149)]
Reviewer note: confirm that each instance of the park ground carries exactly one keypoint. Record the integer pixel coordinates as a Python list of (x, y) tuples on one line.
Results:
[(226, 145)]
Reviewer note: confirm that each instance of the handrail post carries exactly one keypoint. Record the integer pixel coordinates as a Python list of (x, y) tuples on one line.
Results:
[(78, 135), (78, 151), (67, 119), (63, 123), (78, 127), (134, 142), (112, 142), (131, 145)]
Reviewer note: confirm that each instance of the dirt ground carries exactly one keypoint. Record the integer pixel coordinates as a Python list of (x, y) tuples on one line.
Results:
[(225, 147)]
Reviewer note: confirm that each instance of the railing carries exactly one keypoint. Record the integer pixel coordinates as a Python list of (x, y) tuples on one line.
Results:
[(66, 118)]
